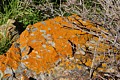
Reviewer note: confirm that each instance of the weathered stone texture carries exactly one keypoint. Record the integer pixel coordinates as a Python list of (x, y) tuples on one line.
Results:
[(63, 41)]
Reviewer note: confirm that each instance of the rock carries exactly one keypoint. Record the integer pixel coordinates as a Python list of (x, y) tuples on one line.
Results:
[(55, 47)]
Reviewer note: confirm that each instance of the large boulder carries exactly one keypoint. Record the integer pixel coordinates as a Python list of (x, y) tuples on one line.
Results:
[(59, 48)]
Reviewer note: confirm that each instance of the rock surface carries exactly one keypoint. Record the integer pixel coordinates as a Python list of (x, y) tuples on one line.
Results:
[(56, 49)]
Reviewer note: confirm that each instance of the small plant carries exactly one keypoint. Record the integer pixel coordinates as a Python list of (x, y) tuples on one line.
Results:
[(4, 45)]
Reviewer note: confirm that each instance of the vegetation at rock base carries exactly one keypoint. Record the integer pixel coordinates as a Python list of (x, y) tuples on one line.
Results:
[(104, 14), (4, 45)]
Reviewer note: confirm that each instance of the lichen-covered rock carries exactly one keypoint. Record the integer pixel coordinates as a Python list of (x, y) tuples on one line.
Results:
[(53, 48)]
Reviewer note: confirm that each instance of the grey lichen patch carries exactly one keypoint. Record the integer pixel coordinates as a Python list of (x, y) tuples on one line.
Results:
[(23, 49), (34, 29), (43, 22), (43, 31), (33, 41)]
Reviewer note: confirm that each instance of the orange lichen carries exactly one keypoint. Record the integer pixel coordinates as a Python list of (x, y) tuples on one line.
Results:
[(7, 75), (44, 45)]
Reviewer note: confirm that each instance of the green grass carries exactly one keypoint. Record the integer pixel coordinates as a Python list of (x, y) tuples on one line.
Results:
[(4, 45), (26, 13), (9, 11), (19, 11)]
